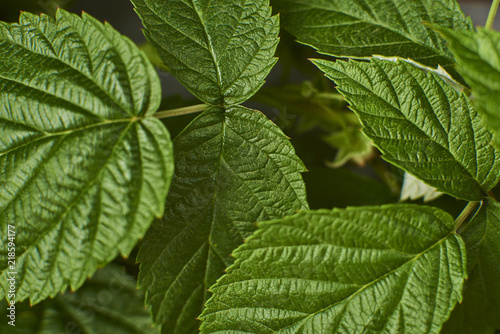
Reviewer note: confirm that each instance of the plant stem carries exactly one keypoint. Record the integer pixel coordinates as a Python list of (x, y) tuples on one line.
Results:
[(181, 111), (492, 14), (330, 96), (491, 194), (464, 214)]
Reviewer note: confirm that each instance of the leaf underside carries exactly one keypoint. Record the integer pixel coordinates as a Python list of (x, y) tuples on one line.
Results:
[(107, 303), (421, 124), (220, 50), (360, 29), (84, 170), (479, 311), (391, 269), (478, 61), (233, 168)]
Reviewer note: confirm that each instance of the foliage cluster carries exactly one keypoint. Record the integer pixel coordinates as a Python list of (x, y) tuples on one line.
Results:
[(227, 237)]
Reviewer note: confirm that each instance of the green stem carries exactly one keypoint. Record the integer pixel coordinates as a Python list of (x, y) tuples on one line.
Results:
[(492, 14), (330, 96), (181, 111), (464, 214)]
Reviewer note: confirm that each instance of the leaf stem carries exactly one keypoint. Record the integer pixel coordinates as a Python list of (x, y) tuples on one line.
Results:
[(464, 214), (330, 96), (492, 195), (181, 111), (492, 14)]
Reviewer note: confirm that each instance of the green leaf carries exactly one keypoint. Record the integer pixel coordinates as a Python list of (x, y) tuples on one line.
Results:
[(480, 310), (390, 269), (233, 168), (478, 61), (220, 50), (421, 124), (107, 303), (84, 169), (360, 29)]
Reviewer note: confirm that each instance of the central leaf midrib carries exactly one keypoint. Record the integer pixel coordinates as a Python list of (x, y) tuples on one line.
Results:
[(414, 259), (216, 179), (210, 49), (49, 135)]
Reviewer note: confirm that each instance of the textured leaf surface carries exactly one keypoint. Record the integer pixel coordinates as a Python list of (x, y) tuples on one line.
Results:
[(378, 27), (421, 124), (84, 170), (107, 303), (220, 50), (391, 269), (478, 61), (233, 168), (480, 310)]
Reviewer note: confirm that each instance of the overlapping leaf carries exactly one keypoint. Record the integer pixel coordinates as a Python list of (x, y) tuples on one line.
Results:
[(480, 310), (413, 189), (233, 168), (391, 269), (107, 303), (84, 170), (421, 124), (220, 50), (392, 28), (478, 61)]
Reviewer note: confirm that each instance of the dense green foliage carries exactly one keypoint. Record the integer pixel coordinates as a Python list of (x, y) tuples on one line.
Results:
[(219, 218)]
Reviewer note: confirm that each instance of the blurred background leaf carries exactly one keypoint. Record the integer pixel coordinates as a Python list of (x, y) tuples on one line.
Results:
[(109, 302)]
